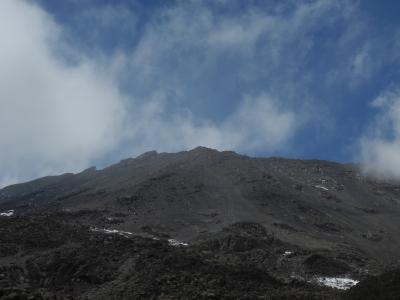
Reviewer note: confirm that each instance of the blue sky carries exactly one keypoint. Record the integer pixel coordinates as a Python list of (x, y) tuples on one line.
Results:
[(96, 81)]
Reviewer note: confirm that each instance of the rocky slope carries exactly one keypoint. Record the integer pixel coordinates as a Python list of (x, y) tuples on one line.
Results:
[(44, 257), (266, 228)]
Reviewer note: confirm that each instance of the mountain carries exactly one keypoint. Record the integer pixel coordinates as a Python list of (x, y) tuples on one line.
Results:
[(310, 203), (293, 219)]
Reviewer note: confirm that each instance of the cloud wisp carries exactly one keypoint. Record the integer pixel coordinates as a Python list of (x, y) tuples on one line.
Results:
[(258, 123), (380, 147)]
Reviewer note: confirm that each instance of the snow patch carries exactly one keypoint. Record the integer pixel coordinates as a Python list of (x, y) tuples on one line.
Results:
[(337, 283), (8, 213), (287, 253), (176, 243), (322, 187), (127, 234), (112, 231)]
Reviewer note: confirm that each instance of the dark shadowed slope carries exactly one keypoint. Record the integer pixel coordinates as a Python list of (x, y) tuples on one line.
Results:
[(47, 258), (188, 195)]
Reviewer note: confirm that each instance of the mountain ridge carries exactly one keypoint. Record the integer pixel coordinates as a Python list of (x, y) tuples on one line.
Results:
[(185, 193)]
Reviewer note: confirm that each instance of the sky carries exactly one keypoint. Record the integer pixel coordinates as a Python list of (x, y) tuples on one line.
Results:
[(92, 82)]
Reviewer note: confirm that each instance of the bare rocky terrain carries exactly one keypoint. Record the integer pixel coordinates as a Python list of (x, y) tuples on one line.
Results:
[(202, 224)]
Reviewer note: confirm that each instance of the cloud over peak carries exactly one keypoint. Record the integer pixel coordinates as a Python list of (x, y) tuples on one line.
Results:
[(90, 83), (381, 145), (60, 115)]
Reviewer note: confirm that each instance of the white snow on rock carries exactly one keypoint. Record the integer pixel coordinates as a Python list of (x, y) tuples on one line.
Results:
[(322, 187), (176, 243), (112, 231), (337, 283), (126, 234), (287, 253), (8, 213)]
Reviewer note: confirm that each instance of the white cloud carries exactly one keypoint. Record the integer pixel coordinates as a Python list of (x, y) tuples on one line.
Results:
[(380, 147), (54, 117), (240, 34), (361, 65), (257, 124)]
